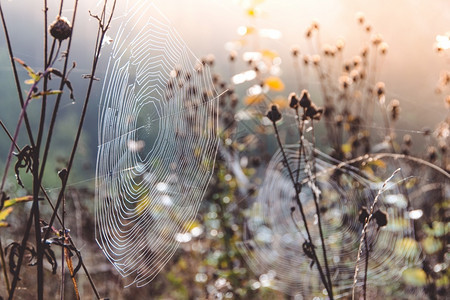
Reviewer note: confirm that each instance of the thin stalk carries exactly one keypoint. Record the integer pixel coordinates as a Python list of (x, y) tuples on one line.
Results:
[(59, 96), (366, 268), (364, 230), (322, 276), (316, 202), (37, 226), (100, 36), (59, 219)]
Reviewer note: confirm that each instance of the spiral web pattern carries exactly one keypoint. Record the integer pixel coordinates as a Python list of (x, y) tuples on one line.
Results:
[(272, 245), (157, 144)]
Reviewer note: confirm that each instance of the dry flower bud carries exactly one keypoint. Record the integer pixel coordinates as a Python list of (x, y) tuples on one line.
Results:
[(274, 114), (340, 43), (381, 217), (363, 215), (431, 153), (394, 109), (316, 59), (383, 48), (305, 100), (293, 101), (380, 88), (360, 18), (407, 140), (295, 51), (60, 29)]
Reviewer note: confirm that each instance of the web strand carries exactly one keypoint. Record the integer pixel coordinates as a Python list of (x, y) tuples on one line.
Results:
[(157, 144)]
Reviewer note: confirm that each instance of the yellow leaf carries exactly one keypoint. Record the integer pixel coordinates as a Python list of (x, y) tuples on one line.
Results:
[(415, 276), (346, 148), (274, 83), (4, 224), (269, 54), (407, 247), (191, 225), (378, 163), (11, 202), (4, 213), (281, 102), (254, 99), (251, 12), (143, 205)]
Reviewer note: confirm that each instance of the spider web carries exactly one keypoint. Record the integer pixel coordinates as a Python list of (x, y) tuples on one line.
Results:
[(157, 143), (272, 244)]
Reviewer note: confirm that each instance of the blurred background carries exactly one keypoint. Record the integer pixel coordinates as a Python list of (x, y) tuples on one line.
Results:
[(411, 70)]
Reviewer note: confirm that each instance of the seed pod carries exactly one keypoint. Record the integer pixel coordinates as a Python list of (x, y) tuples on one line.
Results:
[(274, 114), (60, 29), (305, 100), (381, 217), (363, 215), (293, 101)]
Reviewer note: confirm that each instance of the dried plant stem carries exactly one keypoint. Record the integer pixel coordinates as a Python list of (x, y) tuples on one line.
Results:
[(316, 202), (366, 268), (364, 230), (299, 204), (60, 221), (103, 27)]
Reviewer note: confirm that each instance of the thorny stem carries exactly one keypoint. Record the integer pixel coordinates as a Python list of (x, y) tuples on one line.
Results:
[(297, 192)]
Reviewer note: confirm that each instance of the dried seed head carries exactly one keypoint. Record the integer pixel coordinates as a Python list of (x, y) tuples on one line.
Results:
[(344, 82), (295, 51), (407, 140), (308, 33), (360, 18), (363, 215), (339, 119), (443, 147), (293, 101), (232, 56), (394, 109), (60, 29), (432, 154), (381, 217), (274, 114), (383, 48), (305, 100), (313, 112), (340, 43), (316, 59), (306, 60), (364, 52), (380, 89), (376, 39), (315, 25)]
